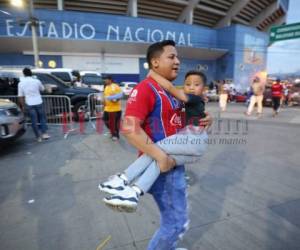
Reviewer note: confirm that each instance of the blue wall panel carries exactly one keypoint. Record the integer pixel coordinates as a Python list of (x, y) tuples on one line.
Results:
[(125, 77), (250, 55), (226, 40), (246, 57), (28, 60)]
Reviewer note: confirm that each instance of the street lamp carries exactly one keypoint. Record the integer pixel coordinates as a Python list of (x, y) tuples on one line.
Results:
[(33, 23)]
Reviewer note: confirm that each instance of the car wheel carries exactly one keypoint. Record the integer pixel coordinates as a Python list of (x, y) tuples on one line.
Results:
[(81, 107)]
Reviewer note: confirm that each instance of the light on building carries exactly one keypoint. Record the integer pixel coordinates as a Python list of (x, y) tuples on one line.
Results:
[(52, 64), (40, 64), (17, 3), (146, 65)]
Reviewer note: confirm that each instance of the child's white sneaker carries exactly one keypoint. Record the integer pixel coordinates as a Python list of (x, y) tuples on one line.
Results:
[(124, 201), (114, 185)]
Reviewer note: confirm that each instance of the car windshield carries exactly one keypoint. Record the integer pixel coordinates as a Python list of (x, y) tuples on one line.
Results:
[(50, 79), (63, 76), (92, 79)]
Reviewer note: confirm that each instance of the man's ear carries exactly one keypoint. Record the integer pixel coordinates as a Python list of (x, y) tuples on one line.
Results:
[(155, 62)]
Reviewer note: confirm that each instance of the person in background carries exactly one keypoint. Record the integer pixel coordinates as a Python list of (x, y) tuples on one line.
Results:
[(285, 94), (211, 85), (276, 96), (223, 90), (112, 107), (257, 97), (78, 82), (248, 93), (29, 93)]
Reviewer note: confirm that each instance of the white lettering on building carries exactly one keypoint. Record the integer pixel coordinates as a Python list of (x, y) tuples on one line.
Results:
[(87, 27), (181, 40), (75, 31), (127, 35), (171, 35), (137, 34), (41, 28), (189, 40), (66, 30), (146, 35), (9, 27), (159, 37), (115, 30), (52, 30)]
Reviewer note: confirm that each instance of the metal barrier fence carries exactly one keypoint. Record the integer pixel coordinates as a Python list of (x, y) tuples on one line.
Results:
[(95, 107), (57, 109)]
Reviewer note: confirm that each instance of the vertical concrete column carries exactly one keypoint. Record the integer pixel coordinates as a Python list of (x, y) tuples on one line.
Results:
[(132, 8), (60, 4)]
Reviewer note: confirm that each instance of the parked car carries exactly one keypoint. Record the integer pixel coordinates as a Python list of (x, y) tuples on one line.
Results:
[(294, 95), (127, 87), (93, 80), (67, 75), (240, 97), (54, 86), (267, 101), (12, 121), (212, 95)]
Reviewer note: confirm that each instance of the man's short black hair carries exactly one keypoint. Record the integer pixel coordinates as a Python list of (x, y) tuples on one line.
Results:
[(198, 73), (107, 77), (27, 72), (156, 49)]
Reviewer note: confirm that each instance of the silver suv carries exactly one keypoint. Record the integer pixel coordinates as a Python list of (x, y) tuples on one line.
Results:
[(12, 121)]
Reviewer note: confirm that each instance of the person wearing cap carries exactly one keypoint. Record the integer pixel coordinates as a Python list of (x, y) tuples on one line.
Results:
[(112, 107)]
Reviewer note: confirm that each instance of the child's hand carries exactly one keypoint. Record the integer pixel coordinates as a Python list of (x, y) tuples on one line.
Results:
[(206, 122)]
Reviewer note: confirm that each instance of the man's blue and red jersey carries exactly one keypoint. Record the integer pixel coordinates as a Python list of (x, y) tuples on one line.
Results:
[(158, 110)]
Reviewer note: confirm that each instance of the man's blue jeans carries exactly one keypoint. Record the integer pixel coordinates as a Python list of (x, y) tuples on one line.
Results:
[(37, 115), (169, 193)]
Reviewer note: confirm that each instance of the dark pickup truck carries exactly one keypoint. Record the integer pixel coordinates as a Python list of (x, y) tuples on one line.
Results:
[(9, 80)]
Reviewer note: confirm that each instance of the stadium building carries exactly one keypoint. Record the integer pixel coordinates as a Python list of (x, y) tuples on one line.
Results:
[(227, 39)]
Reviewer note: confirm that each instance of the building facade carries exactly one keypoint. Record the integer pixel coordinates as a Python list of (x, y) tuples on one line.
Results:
[(116, 43)]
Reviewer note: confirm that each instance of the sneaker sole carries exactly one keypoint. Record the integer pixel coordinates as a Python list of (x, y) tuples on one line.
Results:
[(108, 190), (120, 208)]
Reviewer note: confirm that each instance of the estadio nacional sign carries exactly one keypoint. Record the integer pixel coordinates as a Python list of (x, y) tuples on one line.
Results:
[(90, 26)]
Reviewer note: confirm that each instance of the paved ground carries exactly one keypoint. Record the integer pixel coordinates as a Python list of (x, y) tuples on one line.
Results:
[(245, 194)]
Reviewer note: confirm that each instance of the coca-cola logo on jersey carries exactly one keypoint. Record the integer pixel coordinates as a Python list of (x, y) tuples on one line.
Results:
[(176, 120)]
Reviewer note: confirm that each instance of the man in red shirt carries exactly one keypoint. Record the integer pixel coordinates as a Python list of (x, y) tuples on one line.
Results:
[(151, 115), (276, 96)]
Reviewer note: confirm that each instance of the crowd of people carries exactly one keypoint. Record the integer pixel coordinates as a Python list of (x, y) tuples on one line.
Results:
[(277, 90)]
